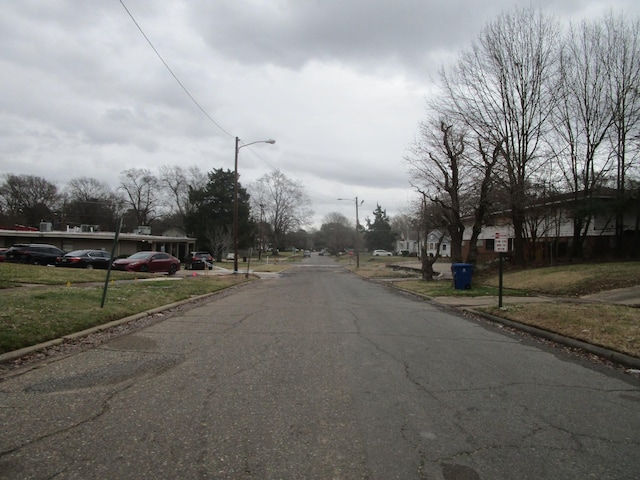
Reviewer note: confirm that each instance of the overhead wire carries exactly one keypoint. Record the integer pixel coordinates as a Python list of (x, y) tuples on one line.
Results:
[(206, 114), (184, 88)]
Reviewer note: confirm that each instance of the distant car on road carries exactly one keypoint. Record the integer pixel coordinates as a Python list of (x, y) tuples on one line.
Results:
[(198, 261), (148, 262), (85, 259), (307, 254), (33, 253), (381, 253)]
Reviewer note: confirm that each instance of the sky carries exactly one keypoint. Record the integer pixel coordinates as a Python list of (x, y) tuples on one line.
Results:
[(341, 85)]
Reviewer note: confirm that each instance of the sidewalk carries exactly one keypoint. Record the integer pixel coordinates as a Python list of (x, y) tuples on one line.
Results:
[(620, 296)]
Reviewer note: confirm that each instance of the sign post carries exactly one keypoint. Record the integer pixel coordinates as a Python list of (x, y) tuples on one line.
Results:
[(501, 245)]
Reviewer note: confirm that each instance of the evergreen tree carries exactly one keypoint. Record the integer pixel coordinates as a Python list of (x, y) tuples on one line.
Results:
[(211, 220), (379, 234)]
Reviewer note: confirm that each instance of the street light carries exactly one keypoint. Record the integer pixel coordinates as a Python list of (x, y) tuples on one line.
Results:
[(235, 200), (357, 223)]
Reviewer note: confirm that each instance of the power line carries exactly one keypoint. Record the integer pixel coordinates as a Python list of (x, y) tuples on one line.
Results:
[(206, 114)]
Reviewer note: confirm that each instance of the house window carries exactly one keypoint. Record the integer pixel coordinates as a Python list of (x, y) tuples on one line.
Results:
[(489, 244), (444, 247)]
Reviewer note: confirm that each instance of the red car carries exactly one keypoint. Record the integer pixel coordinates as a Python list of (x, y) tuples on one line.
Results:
[(148, 262)]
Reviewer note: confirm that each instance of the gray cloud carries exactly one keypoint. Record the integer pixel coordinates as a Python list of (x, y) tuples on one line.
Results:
[(340, 84)]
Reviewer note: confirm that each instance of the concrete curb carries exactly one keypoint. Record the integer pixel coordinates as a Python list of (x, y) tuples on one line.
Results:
[(602, 352)]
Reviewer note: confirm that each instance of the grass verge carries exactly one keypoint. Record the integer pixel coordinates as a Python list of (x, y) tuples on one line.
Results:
[(15, 275), (616, 327), (33, 315)]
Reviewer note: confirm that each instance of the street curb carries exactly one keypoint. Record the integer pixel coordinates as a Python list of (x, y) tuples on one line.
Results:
[(602, 352)]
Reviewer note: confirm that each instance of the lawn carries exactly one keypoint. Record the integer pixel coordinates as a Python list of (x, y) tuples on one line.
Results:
[(611, 326), (62, 304), (16, 274)]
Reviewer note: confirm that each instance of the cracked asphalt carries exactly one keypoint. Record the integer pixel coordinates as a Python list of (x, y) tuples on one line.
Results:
[(318, 374)]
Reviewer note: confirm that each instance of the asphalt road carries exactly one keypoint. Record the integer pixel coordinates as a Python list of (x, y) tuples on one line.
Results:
[(319, 374)]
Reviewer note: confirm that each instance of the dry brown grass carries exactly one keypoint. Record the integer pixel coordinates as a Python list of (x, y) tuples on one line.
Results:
[(571, 280), (611, 326), (375, 267)]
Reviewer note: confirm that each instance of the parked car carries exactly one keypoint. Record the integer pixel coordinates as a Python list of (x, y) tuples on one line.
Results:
[(148, 262), (198, 261), (33, 253), (307, 254), (85, 259), (3, 252), (381, 253)]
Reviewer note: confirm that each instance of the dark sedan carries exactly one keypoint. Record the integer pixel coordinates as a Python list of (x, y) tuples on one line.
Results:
[(148, 262), (85, 259), (33, 253), (198, 261)]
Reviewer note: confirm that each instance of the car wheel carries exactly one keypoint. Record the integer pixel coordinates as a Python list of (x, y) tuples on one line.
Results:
[(36, 261), (144, 268), (89, 266), (172, 269)]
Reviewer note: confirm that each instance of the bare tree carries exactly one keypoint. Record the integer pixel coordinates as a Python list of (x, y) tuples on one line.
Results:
[(286, 204), (438, 169), (502, 89), (583, 117), (428, 223), (28, 199), (140, 188), (622, 48), (455, 179), (90, 201), (482, 193), (336, 232), (177, 182)]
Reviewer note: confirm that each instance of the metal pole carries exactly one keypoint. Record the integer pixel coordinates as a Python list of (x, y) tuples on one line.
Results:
[(113, 253), (357, 240), (235, 212), (261, 242), (500, 283)]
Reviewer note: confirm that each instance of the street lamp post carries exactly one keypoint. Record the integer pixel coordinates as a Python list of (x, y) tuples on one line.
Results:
[(235, 199), (357, 245)]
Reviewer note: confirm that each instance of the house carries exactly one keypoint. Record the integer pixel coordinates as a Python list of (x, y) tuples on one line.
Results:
[(77, 238), (406, 244), (414, 247), (550, 226), (433, 238)]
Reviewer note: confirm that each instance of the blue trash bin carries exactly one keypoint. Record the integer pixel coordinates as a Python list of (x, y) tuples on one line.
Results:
[(462, 273)]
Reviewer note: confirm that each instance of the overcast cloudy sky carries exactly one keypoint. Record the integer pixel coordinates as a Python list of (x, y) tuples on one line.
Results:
[(340, 85)]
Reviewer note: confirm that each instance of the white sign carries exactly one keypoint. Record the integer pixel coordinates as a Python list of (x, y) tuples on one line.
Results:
[(500, 243)]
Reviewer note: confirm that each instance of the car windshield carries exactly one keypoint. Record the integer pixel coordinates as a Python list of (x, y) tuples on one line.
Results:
[(76, 253), (140, 255)]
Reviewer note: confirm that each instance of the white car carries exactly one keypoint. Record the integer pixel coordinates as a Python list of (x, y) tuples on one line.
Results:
[(381, 253)]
